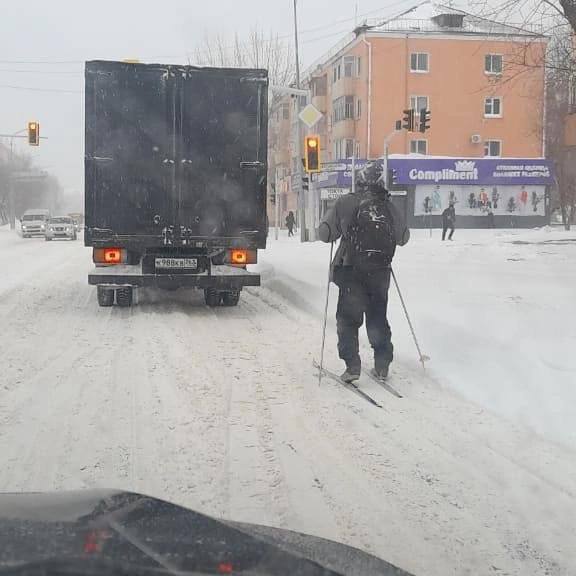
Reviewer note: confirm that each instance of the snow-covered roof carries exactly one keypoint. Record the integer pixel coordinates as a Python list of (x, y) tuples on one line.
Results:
[(430, 17)]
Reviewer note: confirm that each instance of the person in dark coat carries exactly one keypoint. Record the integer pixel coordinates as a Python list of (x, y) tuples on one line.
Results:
[(448, 221), (490, 217), (290, 223), (361, 293)]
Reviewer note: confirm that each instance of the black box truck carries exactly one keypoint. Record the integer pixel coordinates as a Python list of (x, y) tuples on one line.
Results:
[(175, 178)]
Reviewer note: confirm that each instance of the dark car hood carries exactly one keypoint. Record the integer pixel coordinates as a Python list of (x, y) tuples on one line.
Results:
[(141, 534)]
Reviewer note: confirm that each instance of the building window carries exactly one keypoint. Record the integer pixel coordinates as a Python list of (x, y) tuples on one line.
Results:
[(358, 66), (319, 86), (349, 66), (343, 109), (418, 146), (357, 149), (349, 107), (572, 94), (493, 148), (419, 62), (349, 147), (493, 107), (419, 103), (493, 64), (358, 108), (336, 72), (343, 148)]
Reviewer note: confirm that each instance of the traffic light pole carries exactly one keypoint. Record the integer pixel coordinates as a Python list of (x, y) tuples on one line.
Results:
[(276, 205), (387, 141), (298, 147)]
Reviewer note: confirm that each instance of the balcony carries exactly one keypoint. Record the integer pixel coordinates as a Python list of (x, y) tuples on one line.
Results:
[(320, 103), (344, 87), (343, 129)]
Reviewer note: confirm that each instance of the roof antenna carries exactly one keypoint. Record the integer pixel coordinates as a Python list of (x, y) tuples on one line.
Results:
[(356, 15)]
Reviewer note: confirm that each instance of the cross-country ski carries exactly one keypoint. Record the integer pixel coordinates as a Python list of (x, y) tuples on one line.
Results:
[(348, 385), (388, 387)]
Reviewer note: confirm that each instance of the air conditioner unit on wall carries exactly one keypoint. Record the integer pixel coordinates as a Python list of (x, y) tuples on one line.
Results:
[(475, 138)]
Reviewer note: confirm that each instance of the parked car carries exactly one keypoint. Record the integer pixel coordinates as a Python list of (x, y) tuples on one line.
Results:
[(60, 227), (33, 222)]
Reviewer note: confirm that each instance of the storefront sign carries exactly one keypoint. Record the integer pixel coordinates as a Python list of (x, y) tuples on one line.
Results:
[(487, 171), (451, 171), (333, 193)]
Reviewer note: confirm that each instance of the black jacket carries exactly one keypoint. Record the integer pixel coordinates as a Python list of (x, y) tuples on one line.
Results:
[(449, 216), (337, 220)]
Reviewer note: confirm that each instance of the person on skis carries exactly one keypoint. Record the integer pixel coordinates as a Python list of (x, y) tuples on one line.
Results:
[(448, 221), (370, 227)]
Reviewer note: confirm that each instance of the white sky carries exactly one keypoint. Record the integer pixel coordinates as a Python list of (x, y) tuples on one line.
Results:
[(34, 34)]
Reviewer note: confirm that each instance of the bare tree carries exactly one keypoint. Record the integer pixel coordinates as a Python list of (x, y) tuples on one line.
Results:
[(258, 50), (555, 20)]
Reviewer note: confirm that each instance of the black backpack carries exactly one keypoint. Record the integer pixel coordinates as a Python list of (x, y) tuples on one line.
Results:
[(371, 236)]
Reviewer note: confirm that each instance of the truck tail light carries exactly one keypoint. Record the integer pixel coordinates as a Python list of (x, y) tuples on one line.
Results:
[(241, 257), (109, 255)]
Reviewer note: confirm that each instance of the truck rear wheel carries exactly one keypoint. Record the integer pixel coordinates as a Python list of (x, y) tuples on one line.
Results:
[(211, 297), (231, 298), (105, 296), (124, 296)]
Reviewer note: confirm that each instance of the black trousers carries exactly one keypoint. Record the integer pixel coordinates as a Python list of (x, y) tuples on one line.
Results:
[(363, 294), (290, 230), (445, 229)]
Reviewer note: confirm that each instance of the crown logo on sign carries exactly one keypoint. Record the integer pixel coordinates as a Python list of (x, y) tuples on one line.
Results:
[(465, 166)]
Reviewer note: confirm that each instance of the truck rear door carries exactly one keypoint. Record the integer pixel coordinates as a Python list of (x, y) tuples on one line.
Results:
[(221, 189), (130, 147)]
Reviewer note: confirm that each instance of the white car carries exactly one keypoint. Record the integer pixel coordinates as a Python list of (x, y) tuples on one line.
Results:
[(33, 222), (60, 227)]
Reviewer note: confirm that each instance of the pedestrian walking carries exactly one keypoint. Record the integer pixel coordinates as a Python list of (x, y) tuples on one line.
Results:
[(290, 223), (448, 221), (490, 217), (369, 228)]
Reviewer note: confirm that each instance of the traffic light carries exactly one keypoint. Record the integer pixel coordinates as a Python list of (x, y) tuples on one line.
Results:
[(312, 154), (33, 133), (408, 122), (424, 120), (392, 177), (305, 183)]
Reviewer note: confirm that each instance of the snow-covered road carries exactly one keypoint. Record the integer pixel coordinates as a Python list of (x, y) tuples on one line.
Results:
[(220, 410)]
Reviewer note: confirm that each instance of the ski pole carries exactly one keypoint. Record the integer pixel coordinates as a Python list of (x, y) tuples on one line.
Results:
[(325, 316), (423, 358)]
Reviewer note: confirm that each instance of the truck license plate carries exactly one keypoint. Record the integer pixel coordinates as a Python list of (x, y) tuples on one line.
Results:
[(177, 263)]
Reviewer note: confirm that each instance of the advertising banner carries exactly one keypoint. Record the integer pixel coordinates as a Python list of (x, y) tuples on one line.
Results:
[(486, 171), (517, 200), (448, 171)]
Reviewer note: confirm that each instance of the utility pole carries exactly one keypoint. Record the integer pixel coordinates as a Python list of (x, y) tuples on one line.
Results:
[(298, 147), (276, 204)]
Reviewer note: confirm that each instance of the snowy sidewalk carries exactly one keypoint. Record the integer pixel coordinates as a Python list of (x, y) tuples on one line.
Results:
[(494, 310)]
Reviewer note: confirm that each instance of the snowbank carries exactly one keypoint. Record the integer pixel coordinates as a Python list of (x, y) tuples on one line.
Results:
[(495, 310)]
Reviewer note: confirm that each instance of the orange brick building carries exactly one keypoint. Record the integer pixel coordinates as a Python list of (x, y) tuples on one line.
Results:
[(482, 81)]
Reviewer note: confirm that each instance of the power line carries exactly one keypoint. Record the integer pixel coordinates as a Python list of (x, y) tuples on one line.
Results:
[(35, 89), (57, 72), (226, 47)]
